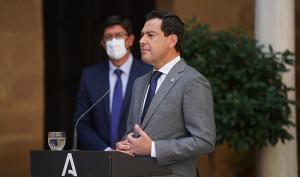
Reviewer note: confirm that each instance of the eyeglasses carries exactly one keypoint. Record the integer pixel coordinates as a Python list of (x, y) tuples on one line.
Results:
[(109, 37)]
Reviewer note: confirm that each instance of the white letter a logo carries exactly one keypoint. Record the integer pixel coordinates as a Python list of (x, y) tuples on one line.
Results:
[(73, 169)]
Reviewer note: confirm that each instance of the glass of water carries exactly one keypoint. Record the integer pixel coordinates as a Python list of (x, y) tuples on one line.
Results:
[(56, 140)]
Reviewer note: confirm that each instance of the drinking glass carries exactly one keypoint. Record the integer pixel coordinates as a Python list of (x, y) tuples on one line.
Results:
[(56, 140)]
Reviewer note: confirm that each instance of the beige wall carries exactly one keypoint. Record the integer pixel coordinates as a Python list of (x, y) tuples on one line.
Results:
[(21, 84), (219, 15)]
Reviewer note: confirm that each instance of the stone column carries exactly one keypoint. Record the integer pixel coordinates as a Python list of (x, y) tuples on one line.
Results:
[(275, 25)]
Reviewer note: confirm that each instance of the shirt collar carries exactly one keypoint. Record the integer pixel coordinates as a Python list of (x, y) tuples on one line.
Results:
[(167, 67), (125, 67)]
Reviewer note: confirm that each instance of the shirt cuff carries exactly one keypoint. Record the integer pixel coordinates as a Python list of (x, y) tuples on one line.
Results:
[(108, 149), (153, 151)]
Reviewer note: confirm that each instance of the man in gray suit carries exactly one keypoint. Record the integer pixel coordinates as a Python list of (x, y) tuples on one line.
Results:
[(171, 118)]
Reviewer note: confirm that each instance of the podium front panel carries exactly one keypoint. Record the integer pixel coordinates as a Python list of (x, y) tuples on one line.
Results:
[(70, 163), (91, 164)]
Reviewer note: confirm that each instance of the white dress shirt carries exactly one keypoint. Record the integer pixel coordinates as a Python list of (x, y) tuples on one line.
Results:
[(165, 69), (113, 78)]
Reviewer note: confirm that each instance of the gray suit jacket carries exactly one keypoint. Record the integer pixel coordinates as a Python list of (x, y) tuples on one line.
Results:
[(180, 118)]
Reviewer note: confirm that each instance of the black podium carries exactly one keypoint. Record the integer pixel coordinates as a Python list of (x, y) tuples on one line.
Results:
[(91, 164)]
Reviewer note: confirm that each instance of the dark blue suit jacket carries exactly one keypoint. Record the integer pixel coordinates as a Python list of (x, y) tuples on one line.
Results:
[(94, 129)]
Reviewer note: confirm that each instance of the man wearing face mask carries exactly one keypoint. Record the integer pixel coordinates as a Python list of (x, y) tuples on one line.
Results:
[(105, 124)]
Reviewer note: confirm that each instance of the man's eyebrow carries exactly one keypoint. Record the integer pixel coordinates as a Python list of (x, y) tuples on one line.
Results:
[(147, 32)]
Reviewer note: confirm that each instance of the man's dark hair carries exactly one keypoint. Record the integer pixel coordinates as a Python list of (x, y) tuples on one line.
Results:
[(117, 20), (171, 24)]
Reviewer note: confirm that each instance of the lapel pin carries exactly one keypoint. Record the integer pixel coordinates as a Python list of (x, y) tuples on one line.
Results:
[(172, 80)]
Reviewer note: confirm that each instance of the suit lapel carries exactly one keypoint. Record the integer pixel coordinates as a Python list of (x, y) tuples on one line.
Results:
[(142, 96), (134, 70), (170, 80), (104, 75)]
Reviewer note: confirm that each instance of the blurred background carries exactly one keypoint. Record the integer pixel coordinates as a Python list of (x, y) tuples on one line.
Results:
[(44, 45)]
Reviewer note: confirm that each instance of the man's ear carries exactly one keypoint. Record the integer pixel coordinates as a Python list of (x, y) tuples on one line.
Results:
[(172, 40), (102, 43), (129, 41)]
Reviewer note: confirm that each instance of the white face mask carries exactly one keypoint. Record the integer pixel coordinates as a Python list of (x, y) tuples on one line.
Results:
[(116, 49)]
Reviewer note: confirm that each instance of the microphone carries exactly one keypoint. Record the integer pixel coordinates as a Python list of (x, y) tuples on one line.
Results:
[(81, 117)]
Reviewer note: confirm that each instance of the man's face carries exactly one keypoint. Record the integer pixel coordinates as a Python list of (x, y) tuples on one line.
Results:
[(154, 44), (118, 32)]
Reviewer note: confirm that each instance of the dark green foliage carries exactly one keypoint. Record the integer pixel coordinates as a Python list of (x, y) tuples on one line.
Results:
[(251, 104)]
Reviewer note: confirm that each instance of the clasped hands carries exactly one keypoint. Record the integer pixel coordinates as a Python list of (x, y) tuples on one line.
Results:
[(136, 146)]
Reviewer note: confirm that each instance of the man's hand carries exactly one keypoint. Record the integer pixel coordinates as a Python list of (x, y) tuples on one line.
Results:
[(123, 146), (140, 145)]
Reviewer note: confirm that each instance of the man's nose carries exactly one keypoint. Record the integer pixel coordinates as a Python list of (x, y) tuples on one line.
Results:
[(142, 40)]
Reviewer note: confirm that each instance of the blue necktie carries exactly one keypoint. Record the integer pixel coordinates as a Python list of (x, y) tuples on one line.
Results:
[(116, 109), (151, 92)]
